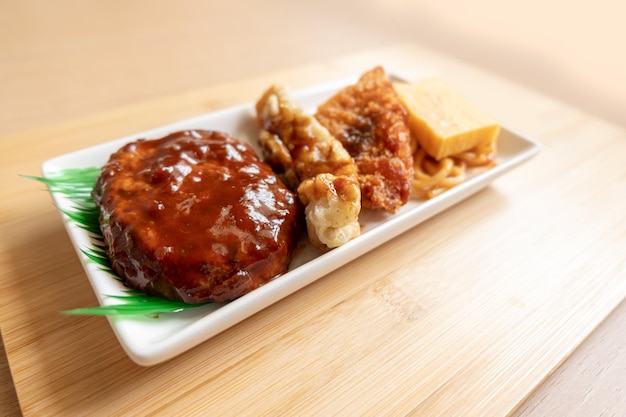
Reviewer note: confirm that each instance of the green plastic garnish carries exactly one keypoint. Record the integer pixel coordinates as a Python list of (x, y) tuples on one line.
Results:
[(76, 184)]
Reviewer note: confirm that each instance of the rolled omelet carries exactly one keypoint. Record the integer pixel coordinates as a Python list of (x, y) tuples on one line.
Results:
[(442, 121)]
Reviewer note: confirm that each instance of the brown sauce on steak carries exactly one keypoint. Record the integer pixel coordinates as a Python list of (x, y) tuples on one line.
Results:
[(195, 216)]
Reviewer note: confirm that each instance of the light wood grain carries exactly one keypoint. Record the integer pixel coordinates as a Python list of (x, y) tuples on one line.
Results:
[(479, 305), (63, 61), (9, 406), (558, 396)]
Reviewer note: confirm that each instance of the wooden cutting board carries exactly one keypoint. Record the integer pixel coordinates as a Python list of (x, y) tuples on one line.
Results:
[(465, 314)]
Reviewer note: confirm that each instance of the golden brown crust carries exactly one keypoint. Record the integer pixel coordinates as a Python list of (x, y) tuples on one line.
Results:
[(314, 163), (368, 119)]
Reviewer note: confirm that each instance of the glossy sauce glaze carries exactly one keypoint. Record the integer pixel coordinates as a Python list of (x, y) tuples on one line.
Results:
[(195, 216)]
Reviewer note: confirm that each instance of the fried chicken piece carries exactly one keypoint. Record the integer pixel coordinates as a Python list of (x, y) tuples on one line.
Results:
[(368, 119), (314, 163)]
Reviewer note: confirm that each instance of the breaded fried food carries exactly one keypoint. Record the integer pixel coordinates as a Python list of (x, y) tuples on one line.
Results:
[(368, 119), (315, 164)]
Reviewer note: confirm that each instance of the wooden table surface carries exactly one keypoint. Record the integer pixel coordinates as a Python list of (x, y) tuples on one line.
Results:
[(511, 302)]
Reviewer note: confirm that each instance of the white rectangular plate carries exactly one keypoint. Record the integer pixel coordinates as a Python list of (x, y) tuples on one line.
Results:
[(149, 341)]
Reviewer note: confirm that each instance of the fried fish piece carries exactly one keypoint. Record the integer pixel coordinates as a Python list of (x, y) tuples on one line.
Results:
[(314, 163), (370, 122)]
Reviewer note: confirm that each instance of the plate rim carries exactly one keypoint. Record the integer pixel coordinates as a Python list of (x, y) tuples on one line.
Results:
[(202, 329)]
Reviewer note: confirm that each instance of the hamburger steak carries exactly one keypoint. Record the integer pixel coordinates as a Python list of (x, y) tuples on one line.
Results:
[(195, 216)]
